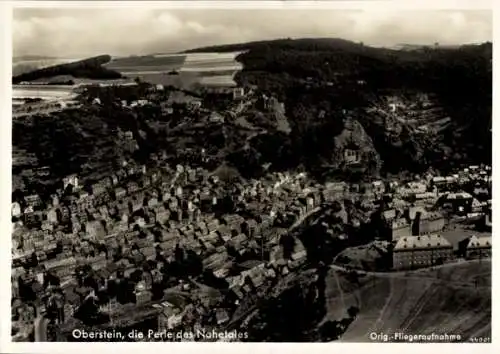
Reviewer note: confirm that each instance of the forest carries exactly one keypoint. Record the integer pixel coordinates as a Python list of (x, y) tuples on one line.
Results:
[(333, 79), (333, 75)]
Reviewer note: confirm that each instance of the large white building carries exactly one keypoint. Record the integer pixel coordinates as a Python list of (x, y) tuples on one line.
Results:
[(421, 251)]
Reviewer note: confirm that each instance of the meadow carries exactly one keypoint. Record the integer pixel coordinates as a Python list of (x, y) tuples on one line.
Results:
[(450, 300), (180, 70)]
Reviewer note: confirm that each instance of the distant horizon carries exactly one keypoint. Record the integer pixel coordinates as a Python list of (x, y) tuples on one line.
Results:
[(394, 46), (84, 32)]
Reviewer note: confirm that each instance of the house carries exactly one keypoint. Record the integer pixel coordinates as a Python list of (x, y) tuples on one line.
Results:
[(487, 220), (33, 200), (335, 191), (237, 291), (62, 267), (378, 187), (98, 188), (299, 254), (389, 215), (477, 206), (421, 251), (413, 188), (55, 199), (427, 196), (142, 295), (95, 229), (132, 187), (352, 156), (412, 212), (120, 192), (399, 228), (71, 180), (459, 202), (139, 103), (439, 181), (149, 252), (481, 192), (238, 93), (477, 247), (429, 223), (216, 118), (16, 210), (29, 214)]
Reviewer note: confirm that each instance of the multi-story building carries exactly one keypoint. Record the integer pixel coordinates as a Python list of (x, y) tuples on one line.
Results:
[(399, 228), (352, 156), (16, 210), (428, 223), (421, 251), (71, 179), (142, 295), (334, 191), (478, 247), (378, 187), (33, 200)]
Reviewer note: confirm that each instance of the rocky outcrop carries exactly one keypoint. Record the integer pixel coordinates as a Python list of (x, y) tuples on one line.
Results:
[(354, 149)]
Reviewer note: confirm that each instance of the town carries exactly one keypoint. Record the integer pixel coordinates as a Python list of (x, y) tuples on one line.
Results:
[(294, 189), (173, 247)]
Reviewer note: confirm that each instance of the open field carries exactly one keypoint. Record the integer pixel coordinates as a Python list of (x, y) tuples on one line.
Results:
[(184, 71), (452, 300), (208, 69), (47, 92)]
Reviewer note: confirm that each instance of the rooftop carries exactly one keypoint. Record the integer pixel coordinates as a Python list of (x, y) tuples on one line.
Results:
[(422, 242), (479, 242)]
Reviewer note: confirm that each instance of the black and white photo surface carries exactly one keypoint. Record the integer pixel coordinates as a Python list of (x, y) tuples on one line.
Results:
[(251, 174)]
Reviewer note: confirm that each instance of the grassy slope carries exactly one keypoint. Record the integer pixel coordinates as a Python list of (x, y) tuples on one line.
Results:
[(435, 301)]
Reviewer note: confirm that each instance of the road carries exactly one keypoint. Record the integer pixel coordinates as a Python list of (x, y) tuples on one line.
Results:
[(41, 324), (298, 223), (405, 273), (255, 306), (67, 282)]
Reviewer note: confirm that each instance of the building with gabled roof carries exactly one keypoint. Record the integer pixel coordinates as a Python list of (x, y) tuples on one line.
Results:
[(478, 247), (429, 223), (399, 228), (421, 251), (389, 215), (16, 209)]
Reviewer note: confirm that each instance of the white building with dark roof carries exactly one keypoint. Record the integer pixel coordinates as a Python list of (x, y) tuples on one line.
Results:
[(71, 179), (478, 247), (16, 209), (399, 228), (421, 251)]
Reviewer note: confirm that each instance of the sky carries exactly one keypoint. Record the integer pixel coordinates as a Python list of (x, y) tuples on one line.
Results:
[(134, 31)]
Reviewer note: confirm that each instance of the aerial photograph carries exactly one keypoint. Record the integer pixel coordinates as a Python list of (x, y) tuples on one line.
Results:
[(251, 175)]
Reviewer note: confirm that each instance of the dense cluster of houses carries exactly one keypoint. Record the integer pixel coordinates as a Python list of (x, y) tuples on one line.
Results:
[(139, 215), (149, 215), (416, 231)]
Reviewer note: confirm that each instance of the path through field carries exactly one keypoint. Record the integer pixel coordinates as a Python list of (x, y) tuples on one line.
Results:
[(444, 300)]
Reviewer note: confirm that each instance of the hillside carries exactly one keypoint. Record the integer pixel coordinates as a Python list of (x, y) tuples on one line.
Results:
[(90, 68), (454, 300), (450, 300), (83, 140), (335, 108), (25, 64), (326, 77)]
